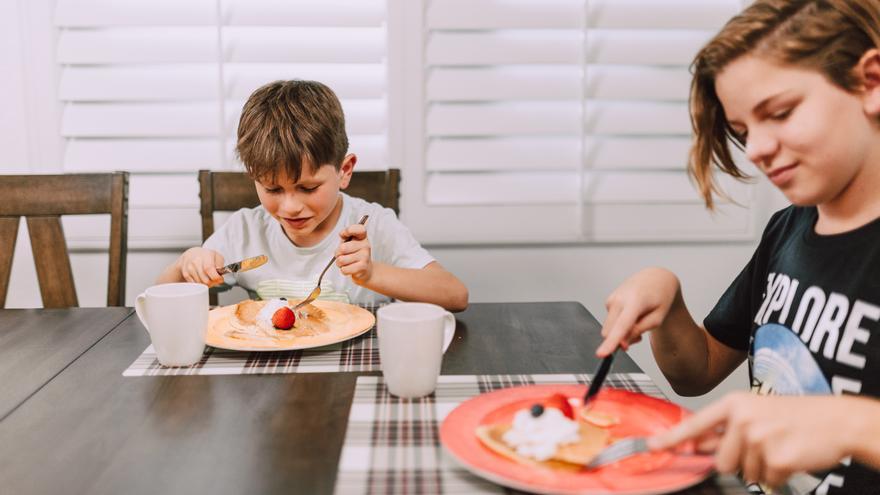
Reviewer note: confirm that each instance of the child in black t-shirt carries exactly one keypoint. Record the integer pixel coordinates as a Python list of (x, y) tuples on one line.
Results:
[(796, 85)]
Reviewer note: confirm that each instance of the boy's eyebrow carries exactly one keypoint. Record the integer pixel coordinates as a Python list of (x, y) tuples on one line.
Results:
[(761, 107)]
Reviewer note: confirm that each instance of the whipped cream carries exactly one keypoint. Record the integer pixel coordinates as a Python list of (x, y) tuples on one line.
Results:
[(264, 317), (538, 438)]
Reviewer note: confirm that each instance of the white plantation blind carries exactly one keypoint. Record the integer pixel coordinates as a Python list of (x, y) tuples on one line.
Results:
[(560, 120), (156, 87)]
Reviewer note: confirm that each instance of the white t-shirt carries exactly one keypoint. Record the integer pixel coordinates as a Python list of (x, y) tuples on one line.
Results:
[(251, 232)]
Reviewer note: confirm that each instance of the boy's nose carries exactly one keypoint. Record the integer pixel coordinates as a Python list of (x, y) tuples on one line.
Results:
[(291, 206), (760, 148)]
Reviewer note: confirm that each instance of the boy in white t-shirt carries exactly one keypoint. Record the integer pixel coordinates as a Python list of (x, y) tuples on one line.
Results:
[(292, 141)]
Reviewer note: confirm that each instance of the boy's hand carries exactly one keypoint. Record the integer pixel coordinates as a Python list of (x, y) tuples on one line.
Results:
[(640, 304), (353, 256), (199, 265), (768, 438)]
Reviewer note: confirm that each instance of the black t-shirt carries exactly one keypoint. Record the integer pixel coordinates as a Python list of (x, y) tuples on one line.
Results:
[(806, 308)]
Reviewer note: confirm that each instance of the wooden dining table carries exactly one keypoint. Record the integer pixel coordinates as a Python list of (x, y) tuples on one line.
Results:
[(72, 423)]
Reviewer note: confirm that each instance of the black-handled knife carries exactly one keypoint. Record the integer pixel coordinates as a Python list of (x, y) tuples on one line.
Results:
[(599, 378)]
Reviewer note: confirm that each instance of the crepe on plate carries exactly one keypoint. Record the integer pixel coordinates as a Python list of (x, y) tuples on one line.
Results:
[(250, 322)]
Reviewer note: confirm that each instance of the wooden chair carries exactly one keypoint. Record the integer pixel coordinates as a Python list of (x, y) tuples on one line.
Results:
[(231, 191), (42, 199)]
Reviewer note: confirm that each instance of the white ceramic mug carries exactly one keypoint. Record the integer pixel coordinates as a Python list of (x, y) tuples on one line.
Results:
[(412, 340), (176, 317)]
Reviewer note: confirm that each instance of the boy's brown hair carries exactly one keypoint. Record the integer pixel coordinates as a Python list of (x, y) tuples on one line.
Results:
[(828, 36), (286, 124)]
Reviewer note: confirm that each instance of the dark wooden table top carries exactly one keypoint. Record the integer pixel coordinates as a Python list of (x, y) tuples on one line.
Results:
[(36, 344), (91, 430)]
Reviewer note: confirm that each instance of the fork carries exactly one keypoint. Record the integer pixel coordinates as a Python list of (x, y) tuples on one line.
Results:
[(618, 450), (317, 290)]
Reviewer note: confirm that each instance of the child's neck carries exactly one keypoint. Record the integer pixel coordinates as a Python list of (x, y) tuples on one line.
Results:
[(857, 205)]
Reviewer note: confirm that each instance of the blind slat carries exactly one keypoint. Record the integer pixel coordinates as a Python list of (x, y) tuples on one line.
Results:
[(103, 13), (648, 47), (556, 153), (557, 83), (548, 118), (574, 14)]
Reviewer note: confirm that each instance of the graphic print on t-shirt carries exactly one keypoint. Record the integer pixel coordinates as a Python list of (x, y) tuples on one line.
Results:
[(825, 326)]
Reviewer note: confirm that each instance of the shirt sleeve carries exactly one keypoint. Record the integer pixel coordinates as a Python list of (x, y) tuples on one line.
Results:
[(730, 321), (393, 243)]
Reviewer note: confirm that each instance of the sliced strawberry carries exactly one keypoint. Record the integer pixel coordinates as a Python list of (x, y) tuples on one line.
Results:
[(560, 402), (283, 319)]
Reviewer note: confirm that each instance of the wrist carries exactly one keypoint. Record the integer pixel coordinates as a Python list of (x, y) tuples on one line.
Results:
[(864, 424)]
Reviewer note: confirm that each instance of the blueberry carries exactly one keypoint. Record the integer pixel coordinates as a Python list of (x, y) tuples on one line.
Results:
[(283, 298), (537, 410)]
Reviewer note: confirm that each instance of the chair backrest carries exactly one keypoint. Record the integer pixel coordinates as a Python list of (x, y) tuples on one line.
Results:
[(42, 199), (230, 191)]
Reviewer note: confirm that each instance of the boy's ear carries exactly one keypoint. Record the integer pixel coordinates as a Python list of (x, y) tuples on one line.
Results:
[(868, 71), (346, 169)]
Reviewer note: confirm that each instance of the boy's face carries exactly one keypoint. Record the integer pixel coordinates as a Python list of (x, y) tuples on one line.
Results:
[(811, 138), (309, 208)]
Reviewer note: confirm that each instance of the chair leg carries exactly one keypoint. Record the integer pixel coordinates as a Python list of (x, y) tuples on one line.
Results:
[(8, 236)]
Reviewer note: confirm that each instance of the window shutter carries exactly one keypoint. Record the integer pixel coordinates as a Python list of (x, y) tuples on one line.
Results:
[(559, 120), (156, 87)]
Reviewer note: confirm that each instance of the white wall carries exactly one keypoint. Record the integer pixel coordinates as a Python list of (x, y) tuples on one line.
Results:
[(585, 273)]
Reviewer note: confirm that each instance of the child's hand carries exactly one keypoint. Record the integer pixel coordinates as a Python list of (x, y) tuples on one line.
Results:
[(768, 438), (199, 265), (640, 304), (353, 256)]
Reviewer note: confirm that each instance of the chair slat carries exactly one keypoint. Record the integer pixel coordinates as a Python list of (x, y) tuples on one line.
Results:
[(8, 235), (118, 253), (42, 199), (71, 194), (52, 261)]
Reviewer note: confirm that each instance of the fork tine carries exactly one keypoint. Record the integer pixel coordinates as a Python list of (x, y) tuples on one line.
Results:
[(618, 450)]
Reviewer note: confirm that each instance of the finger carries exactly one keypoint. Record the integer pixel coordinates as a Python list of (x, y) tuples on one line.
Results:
[(356, 232), (215, 281), (210, 271), (751, 460), (617, 334), (647, 322), (353, 269), (731, 449), (702, 423), (707, 444), (775, 478), (351, 247), (613, 314)]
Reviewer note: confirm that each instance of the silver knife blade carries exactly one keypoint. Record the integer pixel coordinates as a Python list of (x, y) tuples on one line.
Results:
[(244, 265)]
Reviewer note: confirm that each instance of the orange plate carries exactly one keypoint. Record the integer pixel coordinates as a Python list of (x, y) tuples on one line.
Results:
[(650, 473), (342, 322)]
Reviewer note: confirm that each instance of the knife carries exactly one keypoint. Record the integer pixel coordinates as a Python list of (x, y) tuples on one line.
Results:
[(244, 265), (599, 378)]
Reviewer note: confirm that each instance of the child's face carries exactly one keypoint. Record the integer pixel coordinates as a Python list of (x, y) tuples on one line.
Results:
[(810, 137), (309, 208)]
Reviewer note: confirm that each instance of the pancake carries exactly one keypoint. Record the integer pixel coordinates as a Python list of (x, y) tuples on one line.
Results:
[(568, 457), (309, 321)]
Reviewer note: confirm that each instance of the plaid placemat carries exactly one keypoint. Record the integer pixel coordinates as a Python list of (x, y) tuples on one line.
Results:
[(358, 354), (393, 445)]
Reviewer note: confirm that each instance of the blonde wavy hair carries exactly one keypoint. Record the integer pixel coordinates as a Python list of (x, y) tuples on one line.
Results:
[(828, 36)]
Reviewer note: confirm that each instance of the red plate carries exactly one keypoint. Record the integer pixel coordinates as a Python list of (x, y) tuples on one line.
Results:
[(650, 473)]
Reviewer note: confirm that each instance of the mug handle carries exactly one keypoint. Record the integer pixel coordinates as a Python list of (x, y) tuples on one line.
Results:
[(141, 309), (448, 329)]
